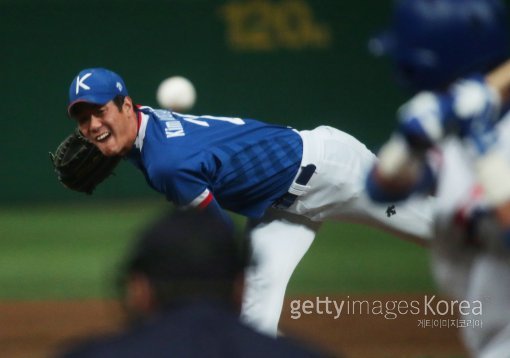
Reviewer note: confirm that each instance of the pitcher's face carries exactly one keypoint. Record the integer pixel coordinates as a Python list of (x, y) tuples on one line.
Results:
[(112, 130)]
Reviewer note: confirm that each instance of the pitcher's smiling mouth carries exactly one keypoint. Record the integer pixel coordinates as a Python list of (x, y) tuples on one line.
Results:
[(103, 136)]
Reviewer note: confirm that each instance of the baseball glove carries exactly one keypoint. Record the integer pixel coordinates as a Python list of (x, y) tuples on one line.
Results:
[(80, 165)]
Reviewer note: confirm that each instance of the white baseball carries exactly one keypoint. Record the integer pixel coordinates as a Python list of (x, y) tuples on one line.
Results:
[(176, 93)]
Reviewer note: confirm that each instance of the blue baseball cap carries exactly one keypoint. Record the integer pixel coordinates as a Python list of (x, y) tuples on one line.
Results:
[(95, 85)]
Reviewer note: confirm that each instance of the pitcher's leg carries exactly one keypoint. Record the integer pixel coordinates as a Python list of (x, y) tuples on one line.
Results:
[(278, 243), (411, 220)]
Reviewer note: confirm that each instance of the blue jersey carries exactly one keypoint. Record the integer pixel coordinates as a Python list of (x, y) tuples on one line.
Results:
[(242, 165)]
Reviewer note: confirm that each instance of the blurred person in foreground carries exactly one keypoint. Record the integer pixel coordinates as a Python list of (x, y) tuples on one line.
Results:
[(453, 140), (182, 286)]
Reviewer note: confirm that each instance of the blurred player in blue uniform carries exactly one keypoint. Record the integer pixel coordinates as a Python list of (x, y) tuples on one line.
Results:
[(455, 142), (287, 182)]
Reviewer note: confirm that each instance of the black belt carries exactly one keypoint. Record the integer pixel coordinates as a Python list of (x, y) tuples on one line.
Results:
[(303, 178)]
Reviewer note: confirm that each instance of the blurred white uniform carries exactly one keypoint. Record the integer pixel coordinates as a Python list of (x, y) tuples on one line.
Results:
[(469, 260), (335, 192)]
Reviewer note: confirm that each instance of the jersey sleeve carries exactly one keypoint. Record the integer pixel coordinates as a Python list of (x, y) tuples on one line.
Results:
[(205, 201), (184, 186), (202, 200), (188, 188), (209, 204)]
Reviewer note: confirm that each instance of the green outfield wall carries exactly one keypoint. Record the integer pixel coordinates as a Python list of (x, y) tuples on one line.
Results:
[(297, 62)]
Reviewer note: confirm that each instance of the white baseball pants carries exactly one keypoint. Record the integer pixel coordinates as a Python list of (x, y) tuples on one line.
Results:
[(335, 192)]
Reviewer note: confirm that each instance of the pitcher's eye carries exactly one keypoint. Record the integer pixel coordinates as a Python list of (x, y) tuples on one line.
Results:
[(82, 119)]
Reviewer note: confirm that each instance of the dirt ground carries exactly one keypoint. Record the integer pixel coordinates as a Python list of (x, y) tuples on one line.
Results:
[(39, 329)]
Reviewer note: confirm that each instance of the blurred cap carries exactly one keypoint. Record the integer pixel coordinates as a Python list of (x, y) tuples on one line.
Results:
[(433, 42), (187, 245), (95, 85)]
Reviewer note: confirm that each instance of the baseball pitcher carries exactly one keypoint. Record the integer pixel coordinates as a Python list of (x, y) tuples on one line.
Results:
[(285, 181)]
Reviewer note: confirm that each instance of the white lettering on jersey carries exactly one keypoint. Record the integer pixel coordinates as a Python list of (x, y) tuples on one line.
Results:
[(164, 115), (236, 121), (174, 129), (195, 119), (80, 82)]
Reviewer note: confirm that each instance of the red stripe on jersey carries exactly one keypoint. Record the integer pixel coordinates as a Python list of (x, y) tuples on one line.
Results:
[(206, 201)]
